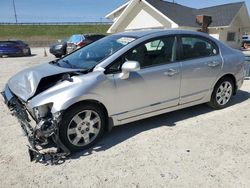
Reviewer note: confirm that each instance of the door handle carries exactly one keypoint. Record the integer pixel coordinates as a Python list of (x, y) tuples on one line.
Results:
[(213, 63), (171, 72)]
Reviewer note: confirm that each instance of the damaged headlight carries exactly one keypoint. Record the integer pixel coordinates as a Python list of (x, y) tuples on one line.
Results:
[(42, 111)]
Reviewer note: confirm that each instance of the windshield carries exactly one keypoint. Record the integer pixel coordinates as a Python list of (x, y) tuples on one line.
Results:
[(89, 56), (76, 38)]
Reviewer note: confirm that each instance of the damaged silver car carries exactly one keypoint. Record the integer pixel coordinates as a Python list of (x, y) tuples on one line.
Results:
[(125, 77)]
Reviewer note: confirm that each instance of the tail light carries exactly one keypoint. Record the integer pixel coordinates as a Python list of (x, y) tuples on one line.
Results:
[(82, 43)]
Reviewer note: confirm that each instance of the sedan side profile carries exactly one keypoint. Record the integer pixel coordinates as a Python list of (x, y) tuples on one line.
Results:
[(14, 48), (119, 79)]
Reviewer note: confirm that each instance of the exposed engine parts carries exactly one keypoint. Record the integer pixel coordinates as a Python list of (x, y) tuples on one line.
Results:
[(45, 145)]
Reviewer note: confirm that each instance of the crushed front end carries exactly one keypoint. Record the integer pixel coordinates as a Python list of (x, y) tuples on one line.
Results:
[(40, 126)]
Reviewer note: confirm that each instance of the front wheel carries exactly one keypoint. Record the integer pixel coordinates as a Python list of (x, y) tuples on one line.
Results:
[(222, 94), (29, 53), (81, 127)]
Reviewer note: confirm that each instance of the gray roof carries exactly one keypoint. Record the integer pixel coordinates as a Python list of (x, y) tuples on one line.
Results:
[(222, 15), (142, 33)]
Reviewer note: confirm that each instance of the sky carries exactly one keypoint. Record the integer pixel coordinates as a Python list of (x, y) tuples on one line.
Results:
[(77, 10)]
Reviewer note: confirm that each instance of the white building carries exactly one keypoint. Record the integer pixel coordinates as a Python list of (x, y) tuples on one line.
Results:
[(229, 21)]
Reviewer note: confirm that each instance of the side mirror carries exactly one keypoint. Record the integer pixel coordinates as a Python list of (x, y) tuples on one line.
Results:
[(129, 66)]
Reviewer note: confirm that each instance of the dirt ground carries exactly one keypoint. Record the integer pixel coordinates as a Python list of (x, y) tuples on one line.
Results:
[(194, 147)]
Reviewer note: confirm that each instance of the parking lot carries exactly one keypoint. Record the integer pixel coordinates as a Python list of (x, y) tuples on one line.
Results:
[(193, 147)]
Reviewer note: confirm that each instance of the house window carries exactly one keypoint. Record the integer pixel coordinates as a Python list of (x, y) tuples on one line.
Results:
[(231, 36)]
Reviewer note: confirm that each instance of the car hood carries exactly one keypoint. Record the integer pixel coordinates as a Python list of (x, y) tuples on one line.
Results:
[(25, 83)]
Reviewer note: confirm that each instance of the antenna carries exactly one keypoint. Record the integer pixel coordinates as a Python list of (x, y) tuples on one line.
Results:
[(14, 7)]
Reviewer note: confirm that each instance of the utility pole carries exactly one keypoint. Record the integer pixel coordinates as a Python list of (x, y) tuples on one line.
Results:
[(14, 7)]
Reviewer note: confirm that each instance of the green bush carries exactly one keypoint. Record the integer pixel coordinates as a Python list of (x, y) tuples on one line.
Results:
[(47, 32)]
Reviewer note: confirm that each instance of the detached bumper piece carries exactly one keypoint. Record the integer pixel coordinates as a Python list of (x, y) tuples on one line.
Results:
[(47, 156), (45, 145)]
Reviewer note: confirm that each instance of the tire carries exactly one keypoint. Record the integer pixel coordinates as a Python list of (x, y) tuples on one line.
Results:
[(29, 53), (58, 56), (82, 126), (245, 46), (64, 52), (222, 93)]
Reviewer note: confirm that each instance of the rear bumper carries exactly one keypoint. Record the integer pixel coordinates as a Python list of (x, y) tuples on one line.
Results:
[(57, 52)]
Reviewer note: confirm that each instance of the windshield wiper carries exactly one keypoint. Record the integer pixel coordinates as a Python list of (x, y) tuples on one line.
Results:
[(55, 62)]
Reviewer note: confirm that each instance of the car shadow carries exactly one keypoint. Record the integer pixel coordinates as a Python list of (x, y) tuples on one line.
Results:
[(121, 133), (32, 55)]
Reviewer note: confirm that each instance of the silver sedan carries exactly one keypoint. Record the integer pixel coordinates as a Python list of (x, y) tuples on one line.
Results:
[(121, 78)]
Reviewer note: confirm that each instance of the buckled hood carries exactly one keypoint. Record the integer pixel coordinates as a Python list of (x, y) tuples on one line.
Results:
[(24, 84)]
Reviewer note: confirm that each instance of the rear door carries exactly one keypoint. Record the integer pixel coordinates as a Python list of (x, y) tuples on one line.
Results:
[(9, 47), (200, 63)]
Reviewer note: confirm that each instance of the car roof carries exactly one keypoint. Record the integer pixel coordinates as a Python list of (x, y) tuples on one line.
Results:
[(142, 33), (10, 41)]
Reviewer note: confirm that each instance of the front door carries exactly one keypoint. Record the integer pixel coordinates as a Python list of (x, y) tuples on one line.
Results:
[(154, 87)]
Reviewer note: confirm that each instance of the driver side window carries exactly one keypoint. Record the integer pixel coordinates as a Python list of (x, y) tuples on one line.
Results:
[(151, 53)]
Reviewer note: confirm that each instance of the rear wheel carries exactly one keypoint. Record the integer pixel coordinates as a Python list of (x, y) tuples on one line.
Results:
[(222, 94), (81, 127)]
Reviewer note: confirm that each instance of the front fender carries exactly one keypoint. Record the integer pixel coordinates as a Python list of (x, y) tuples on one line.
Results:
[(65, 94)]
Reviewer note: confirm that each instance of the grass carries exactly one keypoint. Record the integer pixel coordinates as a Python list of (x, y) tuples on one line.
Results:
[(47, 32)]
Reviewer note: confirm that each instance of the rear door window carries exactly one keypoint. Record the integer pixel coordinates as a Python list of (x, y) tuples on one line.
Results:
[(197, 47)]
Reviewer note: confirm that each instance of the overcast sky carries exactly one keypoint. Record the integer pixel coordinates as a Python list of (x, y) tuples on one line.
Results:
[(76, 10)]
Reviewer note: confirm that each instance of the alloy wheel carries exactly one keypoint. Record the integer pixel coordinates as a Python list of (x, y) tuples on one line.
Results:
[(224, 93), (84, 128)]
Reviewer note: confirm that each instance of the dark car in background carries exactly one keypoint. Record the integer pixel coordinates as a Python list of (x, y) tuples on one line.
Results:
[(59, 49), (80, 40), (14, 48), (245, 44)]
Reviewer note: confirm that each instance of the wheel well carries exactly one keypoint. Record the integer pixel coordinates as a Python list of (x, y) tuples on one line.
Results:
[(108, 126), (232, 78)]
